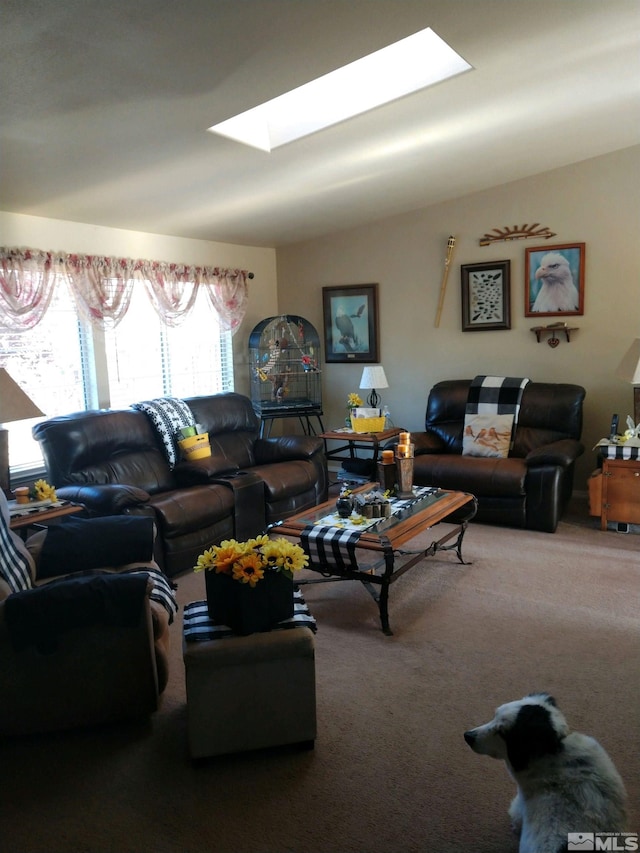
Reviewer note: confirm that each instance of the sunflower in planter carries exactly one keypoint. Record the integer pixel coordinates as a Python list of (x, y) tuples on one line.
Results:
[(250, 584), (248, 561)]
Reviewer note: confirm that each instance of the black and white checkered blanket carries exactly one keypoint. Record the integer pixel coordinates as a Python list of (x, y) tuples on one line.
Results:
[(168, 415), (198, 625), (495, 395)]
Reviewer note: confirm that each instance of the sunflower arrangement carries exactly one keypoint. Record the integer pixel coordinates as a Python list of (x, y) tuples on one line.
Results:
[(248, 561), (354, 401)]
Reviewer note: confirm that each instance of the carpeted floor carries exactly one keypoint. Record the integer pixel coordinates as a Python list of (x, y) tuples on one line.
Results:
[(390, 772)]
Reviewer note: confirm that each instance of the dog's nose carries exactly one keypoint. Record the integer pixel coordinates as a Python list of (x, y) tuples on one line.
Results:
[(470, 737)]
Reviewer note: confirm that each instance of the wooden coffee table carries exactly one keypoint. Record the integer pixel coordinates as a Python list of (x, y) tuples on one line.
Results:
[(382, 541)]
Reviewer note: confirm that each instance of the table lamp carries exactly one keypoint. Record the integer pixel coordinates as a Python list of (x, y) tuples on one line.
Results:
[(372, 378), (15, 405), (629, 370)]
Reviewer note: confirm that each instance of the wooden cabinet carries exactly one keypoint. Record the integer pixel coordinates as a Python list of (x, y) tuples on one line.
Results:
[(620, 491)]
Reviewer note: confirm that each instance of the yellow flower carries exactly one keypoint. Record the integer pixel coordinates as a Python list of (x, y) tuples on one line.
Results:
[(286, 556), (353, 401), (205, 561), (247, 561), (42, 491), (248, 569)]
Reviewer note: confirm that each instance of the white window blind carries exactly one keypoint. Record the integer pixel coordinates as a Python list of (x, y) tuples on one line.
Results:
[(147, 359), (52, 363)]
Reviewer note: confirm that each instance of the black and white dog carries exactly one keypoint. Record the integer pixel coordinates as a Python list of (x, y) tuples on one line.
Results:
[(566, 781)]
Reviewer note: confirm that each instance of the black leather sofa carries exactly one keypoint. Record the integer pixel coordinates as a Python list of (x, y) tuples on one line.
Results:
[(532, 486), (113, 461)]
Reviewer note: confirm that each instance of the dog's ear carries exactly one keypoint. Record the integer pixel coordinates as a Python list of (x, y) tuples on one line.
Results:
[(531, 736)]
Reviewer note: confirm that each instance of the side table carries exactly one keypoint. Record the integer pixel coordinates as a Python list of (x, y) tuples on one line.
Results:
[(616, 488), (620, 491), (353, 441), (22, 516)]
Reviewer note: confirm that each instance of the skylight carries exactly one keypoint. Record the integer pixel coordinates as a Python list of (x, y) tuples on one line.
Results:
[(411, 64)]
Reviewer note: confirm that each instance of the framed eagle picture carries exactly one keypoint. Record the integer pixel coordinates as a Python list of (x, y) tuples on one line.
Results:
[(351, 323), (554, 280)]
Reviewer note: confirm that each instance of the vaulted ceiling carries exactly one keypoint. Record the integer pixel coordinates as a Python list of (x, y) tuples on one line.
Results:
[(105, 105)]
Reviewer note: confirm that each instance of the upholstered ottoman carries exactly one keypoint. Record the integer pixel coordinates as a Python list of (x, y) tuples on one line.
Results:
[(250, 692)]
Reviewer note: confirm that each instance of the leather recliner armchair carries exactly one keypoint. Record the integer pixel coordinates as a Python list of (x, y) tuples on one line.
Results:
[(532, 486), (79, 650)]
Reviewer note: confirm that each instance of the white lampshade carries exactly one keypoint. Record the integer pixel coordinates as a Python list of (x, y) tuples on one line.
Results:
[(629, 371), (373, 377)]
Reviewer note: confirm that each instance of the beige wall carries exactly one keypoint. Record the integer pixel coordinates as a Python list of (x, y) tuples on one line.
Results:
[(595, 202), (56, 235)]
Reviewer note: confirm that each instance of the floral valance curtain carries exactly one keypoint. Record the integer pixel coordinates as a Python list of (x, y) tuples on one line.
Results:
[(102, 287)]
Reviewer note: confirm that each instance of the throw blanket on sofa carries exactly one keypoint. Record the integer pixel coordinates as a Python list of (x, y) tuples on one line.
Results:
[(168, 415), (493, 406)]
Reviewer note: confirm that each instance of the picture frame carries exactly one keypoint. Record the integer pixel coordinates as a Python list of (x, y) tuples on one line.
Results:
[(486, 296), (351, 323), (559, 291)]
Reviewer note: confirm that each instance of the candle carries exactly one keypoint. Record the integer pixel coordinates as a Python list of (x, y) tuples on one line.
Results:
[(404, 451), (404, 438), (387, 456), (22, 495)]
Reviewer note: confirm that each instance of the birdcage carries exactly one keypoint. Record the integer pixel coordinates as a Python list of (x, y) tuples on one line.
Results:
[(285, 359)]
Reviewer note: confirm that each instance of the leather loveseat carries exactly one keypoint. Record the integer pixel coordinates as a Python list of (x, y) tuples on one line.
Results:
[(113, 461), (531, 487)]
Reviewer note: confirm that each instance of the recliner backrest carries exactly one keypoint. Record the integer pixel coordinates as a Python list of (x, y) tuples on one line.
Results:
[(104, 446), (549, 412), (233, 427)]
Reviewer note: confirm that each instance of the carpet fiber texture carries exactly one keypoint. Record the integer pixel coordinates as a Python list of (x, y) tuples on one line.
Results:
[(390, 772)]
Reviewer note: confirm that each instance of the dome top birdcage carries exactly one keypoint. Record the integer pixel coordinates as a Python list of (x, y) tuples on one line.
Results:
[(284, 360)]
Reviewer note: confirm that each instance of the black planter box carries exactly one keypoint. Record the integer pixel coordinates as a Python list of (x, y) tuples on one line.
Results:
[(246, 609)]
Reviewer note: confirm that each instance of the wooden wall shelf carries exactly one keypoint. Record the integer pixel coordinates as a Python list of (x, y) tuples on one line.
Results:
[(553, 330)]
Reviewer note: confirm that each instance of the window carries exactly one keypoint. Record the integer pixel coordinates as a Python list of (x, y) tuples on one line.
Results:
[(147, 359), (61, 364), (52, 364)]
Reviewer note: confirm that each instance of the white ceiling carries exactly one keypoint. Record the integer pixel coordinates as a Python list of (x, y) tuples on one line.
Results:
[(105, 105)]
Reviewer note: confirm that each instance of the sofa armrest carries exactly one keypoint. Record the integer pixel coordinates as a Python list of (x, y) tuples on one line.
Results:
[(286, 447), (563, 453), (202, 471), (425, 442), (108, 499)]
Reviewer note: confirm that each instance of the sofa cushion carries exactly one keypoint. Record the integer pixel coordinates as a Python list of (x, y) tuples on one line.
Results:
[(79, 544), (487, 435), (37, 616), (286, 479), (481, 477), (196, 508)]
